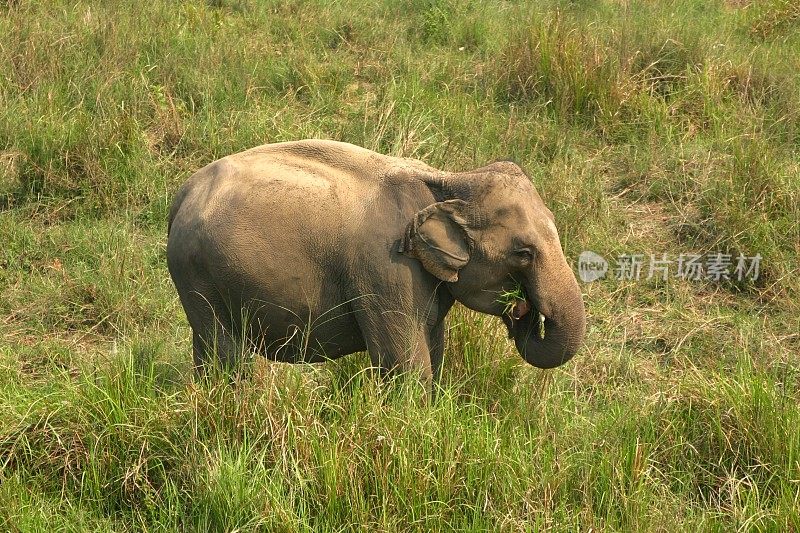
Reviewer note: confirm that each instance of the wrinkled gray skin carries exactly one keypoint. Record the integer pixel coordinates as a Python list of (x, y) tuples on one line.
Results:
[(316, 249)]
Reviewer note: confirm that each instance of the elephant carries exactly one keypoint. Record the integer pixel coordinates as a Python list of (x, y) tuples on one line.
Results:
[(311, 250)]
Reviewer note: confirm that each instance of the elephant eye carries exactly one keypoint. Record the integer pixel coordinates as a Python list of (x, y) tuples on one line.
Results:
[(524, 254)]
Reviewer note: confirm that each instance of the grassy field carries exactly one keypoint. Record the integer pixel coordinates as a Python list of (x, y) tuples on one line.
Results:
[(647, 126)]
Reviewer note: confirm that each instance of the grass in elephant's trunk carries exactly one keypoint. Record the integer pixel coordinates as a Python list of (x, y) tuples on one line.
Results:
[(516, 305)]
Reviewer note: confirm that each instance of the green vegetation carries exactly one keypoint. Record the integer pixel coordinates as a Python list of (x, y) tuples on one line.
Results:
[(648, 127), (509, 298)]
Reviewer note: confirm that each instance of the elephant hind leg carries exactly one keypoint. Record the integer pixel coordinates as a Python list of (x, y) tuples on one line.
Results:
[(214, 343), (214, 348)]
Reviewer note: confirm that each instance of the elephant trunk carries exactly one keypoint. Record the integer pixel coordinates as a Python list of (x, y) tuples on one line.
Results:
[(554, 292)]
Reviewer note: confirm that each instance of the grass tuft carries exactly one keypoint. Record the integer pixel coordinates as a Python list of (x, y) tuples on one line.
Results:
[(509, 298)]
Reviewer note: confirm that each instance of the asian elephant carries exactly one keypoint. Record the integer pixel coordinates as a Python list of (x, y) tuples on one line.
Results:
[(311, 250)]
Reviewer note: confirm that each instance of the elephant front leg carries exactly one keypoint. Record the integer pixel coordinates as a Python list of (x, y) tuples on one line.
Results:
[(398, 345), (436, 349)]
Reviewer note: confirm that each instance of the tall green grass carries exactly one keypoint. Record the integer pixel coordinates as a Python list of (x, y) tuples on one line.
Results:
[(648, 127)]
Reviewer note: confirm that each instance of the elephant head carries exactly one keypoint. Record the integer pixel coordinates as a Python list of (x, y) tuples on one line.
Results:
[(489, 231)]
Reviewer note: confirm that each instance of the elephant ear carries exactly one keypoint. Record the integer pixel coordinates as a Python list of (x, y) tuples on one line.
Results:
[(438, 237)]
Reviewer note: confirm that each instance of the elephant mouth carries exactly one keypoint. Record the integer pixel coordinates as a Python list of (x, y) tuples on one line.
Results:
[(520, 309)]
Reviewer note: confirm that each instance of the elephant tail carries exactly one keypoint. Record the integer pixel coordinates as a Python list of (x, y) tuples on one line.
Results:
[(176, 205)]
